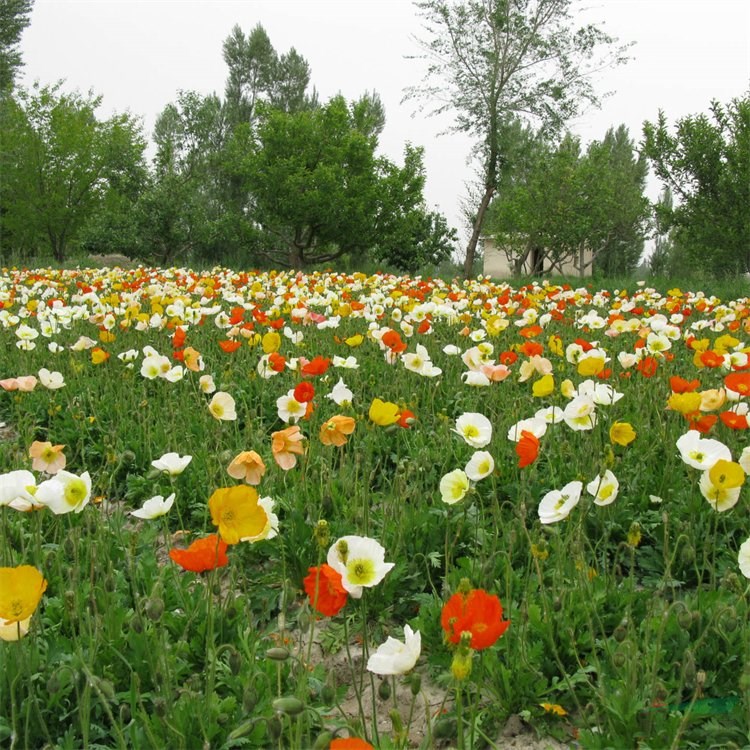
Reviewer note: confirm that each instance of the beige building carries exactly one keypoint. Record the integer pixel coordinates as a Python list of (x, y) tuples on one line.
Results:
[(499, 262)]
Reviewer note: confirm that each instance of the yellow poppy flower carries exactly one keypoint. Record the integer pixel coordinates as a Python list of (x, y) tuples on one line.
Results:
[(622, 433), (21, 588), (384, 413), (237, 513)]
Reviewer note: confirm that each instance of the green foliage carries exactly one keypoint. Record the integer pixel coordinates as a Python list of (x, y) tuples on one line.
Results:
[(490, 61), (706, 164), (14, 18), (555, 202), (61, 166)]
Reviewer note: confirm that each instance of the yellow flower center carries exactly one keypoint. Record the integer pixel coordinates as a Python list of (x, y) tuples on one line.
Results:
[(75, 492), (471, 431), (360, 572)]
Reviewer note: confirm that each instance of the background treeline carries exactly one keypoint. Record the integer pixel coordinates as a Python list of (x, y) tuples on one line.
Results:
[(267, 175)]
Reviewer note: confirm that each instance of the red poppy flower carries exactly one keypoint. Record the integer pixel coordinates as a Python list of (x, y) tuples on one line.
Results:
[(739, 382), (648, 367), (230, 346), (680, 385), (478, 613), (203, 554), (349, 743), (507, 358), (304, 392), (276, 324), (733, 420), (237, 315), (587, 346), (529, 332), (424, 326), (527, 448), (323, 586), (393, 341), (701, 422), (316, 366)]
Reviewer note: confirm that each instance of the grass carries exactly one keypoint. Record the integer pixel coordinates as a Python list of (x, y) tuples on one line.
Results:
[(629, 619)]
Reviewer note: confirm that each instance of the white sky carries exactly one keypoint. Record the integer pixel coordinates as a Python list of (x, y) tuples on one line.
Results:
[(138, 53)]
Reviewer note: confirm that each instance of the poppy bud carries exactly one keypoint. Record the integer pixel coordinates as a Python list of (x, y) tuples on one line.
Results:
[(249, 700), (155, 608), (136, 624), (277, 653), (444, 728), (235, 661), (398, 726), (242, 730), (327, 695), (53, 683), (619, 659), (160, 707), (125, 714), (127, 458), (730, 620), (461, 664), (384, 690), (415, 683), (273, 727), (685, 619), (687, 554), (621, 632), (323, 741), (289, 705)]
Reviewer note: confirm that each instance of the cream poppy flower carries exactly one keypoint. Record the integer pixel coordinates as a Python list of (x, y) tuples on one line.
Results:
[(474, 428), (51, 380), (743, 558), (17, 490), (604, 488), (154, 507), (206, 384), (453, 486), (580, 413), (701, 453), (65, 492), (222, 407), (289, 409), (480, 465), (47, 457), (557, 504), (535, 425), (360, 561), (721, 484), (172, 463), (341, 395), (395, 657)]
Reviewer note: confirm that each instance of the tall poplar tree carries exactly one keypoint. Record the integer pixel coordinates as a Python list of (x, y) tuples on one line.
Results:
[(491, 60)]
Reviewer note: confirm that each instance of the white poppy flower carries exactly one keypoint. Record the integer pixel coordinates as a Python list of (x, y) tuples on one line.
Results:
[(557, 504), (453, 486), (360, 561), (65, 492), (480, 465), (154, 507), (51, 380), (701, 453), (474, 428), (394, 657), (604, 488), (172, 463)]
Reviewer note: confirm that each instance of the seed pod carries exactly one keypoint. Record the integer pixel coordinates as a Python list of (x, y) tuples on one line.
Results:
[(289, 704), (249, 700), (235, 661), (415, 683), (277, 653), (384, 690)]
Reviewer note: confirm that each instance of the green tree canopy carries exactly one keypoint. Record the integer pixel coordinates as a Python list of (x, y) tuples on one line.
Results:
[(705, 162), (489, 61), (14, 18), (60, 164)]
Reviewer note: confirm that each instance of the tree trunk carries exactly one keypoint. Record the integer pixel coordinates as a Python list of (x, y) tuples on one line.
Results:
[(471, 248)]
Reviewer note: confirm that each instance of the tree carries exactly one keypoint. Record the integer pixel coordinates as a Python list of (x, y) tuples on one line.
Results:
[(59, 164), (14, 18), (558, 205), (491, 60), (706, 165), (318, 191)]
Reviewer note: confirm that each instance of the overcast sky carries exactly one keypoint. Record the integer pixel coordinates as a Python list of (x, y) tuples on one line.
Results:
[(138, 54)]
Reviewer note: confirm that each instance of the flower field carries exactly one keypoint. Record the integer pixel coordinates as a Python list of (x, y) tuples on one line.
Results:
[(530, 500)]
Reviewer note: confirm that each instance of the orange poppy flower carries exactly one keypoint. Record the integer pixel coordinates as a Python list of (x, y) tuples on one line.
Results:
[(711, 359), (424, 326), (529, 332), (178, 338), (648, 367), (739, 382), (192, 359), (277, 362), (327, 593), (336, 429), (393, 341), (531, 348), (478, 613), (701, 422), (276, 324), (406, 419), (230, 346), (286, 445), (316, 366), (237, 315), (680, 385), (203, 554), (248, 466), (733, 420), (304, 392), (507, 358), (527, 448), (349, 743)]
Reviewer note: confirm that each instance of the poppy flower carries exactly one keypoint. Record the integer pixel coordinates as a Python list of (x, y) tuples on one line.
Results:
[(47, 457), (21, 589), (527, 449), (286, 445), (739, 382), (323, 586), (680, 385), (507, 358), (475, 612), (361, 562), (247, 466), (178, 338), (304, 392), (474, 428), (701, 422), (336, 429), (395, 657), (406, 419), (230, 346), (237, 513), (622, 433), (648, 367), (530, 349), (349, 743), (733, 420), (393, 341), (316, 366), (222, 407), (203, 554), (271, 342), (277, 362), (383, 413), (711, 359)]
